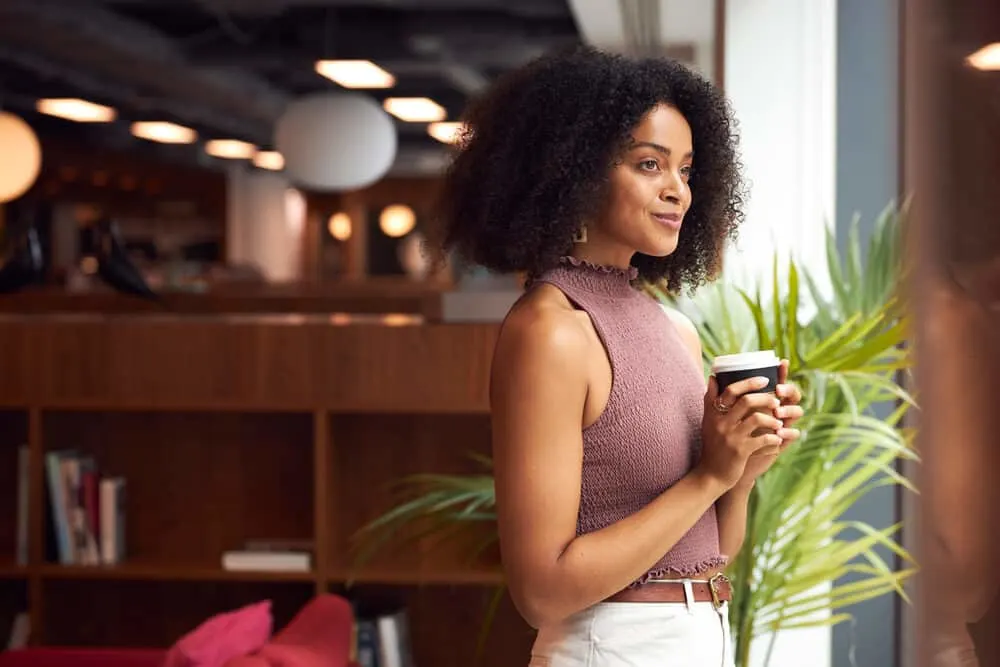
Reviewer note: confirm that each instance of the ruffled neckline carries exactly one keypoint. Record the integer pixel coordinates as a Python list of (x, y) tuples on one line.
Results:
[(613, 282), (629, 274)]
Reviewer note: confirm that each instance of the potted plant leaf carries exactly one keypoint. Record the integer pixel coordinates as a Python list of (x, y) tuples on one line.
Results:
[(847, 350)]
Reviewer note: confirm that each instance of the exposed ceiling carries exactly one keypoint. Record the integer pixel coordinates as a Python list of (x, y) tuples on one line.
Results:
[(227, 68)]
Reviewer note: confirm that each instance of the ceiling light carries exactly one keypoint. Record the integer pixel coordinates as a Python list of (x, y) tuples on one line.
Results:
[(272, 160), (77, 110), (230, 149), (355, 73), (415, 109), (164, 132), (986, 58), (447, 132)]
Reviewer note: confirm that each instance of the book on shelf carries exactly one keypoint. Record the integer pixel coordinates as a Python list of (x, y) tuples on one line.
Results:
[(382, 640), (270, 556), (20, 632), (87, 510)]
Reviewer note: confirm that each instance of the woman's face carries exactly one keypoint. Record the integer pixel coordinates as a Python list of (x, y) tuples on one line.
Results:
[(648, 193)]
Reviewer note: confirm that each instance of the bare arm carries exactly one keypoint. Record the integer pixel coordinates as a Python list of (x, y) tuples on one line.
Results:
[(731, 508), (538, 394)]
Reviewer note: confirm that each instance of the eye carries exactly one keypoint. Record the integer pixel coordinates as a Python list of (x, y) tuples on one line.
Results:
[(686, 171), (649, 165)]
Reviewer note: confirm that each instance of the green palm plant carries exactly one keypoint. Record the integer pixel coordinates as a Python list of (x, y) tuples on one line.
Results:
[(849, 357)]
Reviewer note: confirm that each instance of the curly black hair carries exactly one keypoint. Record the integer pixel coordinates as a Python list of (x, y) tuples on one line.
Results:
[(537, 148)]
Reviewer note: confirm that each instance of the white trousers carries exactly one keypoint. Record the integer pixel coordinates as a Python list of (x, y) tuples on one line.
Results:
[(638, 634)]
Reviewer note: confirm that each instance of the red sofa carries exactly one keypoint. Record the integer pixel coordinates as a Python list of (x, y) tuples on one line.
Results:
[(319, 635)]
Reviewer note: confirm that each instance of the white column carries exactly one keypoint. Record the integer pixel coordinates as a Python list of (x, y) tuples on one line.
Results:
[(265, 224), (780, 74)]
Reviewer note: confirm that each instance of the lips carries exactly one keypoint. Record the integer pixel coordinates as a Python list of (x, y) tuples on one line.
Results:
[(671, 220)]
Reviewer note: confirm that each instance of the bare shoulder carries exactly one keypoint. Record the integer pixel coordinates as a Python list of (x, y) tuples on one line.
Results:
[(542, 328), (685, 327)]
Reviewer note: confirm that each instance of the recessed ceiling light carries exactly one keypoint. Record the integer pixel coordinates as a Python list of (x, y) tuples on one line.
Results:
[(77, 110), (986, 58), (355, 73), (272, 160), (164, 132), (447, 132), (230, 149), (415, 109)]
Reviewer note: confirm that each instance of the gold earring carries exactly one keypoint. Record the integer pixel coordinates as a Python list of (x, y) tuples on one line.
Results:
[(581, 235)]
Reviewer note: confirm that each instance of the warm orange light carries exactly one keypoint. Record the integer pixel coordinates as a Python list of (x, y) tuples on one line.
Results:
[(339, 226), (397, 220), (415, 109), (986, 58), (80, 111), (230, 149), (355, 73), (447, 132), (164, 132), (272, 160)]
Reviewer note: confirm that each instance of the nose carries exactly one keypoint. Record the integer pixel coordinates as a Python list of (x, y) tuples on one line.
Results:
[(672, 185), (670, 196)]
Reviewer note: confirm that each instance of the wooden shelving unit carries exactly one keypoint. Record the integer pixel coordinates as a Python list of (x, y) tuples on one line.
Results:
[(235, 428)]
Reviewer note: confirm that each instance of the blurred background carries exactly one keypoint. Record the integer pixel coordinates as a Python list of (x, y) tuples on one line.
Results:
[(224, 353)]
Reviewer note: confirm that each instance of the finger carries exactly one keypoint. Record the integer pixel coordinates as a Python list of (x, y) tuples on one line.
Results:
[(759, 420), (768, 443), (713, 388), (789, 435), (789, 413), (788, 393), (734, 391), (755, 403)]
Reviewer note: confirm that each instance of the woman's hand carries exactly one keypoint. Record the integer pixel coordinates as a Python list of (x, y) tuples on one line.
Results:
[(736, 426), (788, 412)]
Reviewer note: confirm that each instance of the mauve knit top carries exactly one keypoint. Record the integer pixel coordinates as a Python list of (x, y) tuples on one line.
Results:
[(649, 435)]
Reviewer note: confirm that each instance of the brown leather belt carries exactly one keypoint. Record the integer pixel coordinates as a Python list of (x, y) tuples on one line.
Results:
[(716, 590)]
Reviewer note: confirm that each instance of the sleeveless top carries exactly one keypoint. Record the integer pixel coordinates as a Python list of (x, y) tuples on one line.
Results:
[(649, 435)]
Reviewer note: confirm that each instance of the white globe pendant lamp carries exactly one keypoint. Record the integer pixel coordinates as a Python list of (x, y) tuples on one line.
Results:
[(20, 157), (336, 141)]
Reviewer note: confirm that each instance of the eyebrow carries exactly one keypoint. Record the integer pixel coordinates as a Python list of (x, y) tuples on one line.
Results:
[(655, 147)]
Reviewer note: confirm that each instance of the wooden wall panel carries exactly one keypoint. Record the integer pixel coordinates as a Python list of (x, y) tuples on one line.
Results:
[(16, 367), (251, 363), (371, 456), (13, 434)]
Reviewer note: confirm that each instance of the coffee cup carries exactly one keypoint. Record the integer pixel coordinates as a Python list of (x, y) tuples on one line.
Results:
[(731, 368)]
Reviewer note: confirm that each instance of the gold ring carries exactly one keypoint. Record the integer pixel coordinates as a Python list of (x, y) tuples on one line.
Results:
[(720, 406)]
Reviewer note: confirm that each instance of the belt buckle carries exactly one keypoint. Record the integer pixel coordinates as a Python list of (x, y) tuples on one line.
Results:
[(713, 583)]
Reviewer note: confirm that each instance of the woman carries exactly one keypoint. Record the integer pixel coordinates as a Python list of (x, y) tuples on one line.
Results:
[(621, 481)]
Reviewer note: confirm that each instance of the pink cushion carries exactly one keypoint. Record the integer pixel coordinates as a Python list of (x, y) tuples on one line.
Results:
[(223, 637), (289, 655), (319, 635), (248, 661)]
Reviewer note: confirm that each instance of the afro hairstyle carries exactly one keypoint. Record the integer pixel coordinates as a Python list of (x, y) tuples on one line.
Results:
[(537, 147)]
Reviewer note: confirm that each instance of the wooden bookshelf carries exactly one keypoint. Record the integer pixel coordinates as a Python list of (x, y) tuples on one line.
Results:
[(230, 428)]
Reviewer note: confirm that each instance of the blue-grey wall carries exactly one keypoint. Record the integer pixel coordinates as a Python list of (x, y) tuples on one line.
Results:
[(867, 179)]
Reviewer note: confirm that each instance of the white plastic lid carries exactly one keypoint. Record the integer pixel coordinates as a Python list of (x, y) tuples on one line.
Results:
[(744, 361)]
